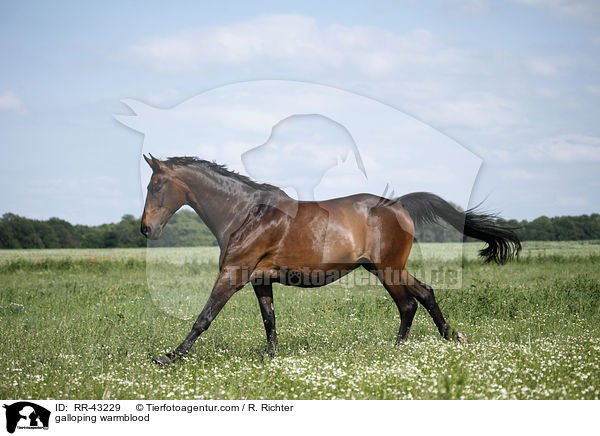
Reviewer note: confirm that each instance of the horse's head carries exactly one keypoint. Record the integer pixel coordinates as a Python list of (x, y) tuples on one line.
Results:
[(166, 194)]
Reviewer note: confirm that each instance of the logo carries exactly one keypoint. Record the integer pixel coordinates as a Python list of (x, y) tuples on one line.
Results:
[(316, 143), (26, 415)]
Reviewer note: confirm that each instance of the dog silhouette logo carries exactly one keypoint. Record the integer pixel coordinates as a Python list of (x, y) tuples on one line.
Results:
[(299, 153), (26, 415)]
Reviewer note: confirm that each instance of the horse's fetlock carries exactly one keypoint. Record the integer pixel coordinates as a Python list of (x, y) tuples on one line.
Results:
[(201, 326), (446, 331)]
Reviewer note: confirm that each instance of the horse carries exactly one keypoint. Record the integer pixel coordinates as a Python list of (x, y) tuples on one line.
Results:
[(267, 237)]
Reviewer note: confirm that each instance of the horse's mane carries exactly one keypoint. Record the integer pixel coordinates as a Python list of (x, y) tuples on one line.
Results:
[(190, 161)]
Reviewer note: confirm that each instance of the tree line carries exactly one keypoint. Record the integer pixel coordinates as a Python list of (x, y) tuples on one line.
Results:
[(564, 228), (185, 229)]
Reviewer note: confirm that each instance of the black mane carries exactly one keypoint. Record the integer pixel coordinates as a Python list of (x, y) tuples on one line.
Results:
[(190, 161)]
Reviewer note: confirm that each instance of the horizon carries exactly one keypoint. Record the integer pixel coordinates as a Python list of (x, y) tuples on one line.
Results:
[(188, 209), (515, 83)]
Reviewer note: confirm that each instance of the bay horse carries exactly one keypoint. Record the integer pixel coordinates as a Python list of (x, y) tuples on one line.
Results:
[(267, 237)]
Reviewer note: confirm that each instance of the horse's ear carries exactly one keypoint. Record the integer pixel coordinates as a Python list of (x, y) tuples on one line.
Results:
[(148, 160), (154, 163)]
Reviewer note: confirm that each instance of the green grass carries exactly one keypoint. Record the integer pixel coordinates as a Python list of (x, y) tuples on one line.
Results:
[(76, 329)]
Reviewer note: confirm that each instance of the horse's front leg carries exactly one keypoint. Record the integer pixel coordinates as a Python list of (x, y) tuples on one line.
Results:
[(229, 282)]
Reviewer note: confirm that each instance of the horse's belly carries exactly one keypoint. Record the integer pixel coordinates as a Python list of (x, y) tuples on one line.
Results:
[(303, 277)]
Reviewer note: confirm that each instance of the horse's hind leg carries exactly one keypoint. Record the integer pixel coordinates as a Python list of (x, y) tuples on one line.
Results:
[(407, 307), (406, 304), (264, 293), (424, 294)]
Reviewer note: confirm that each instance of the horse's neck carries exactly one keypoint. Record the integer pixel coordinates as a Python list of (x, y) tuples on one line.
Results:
[(221, 202)]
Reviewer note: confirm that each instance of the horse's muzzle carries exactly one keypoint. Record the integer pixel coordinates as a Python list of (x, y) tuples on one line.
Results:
[(151, 232)]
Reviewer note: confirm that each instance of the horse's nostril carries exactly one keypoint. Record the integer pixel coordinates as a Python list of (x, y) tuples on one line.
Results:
[(145, 230)]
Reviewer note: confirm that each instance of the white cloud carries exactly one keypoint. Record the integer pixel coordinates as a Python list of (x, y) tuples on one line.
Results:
[(470, 7), (548, 67), (568, 149), (483, 97), (578, 9), (548, 93), (475, 111), (284, 40), (593, 89), (528, 175), (9, 101)]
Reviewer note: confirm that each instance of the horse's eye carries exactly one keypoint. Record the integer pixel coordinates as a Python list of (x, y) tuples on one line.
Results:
[(156, 185)]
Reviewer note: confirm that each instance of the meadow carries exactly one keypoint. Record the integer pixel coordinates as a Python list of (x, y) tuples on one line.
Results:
[(82, 324)]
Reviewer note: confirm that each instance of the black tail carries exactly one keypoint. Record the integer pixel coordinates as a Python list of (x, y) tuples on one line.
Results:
[(502, 242)]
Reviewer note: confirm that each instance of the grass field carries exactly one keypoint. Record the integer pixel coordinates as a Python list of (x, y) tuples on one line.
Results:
[(81, 324)]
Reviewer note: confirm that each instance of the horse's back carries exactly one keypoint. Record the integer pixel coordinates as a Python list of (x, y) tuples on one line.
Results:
[(348, 229)]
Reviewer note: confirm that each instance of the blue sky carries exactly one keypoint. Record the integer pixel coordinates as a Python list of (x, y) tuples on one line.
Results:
[(515, 82)]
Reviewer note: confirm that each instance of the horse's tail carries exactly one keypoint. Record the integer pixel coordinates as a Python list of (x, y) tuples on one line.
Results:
[(502, 242)]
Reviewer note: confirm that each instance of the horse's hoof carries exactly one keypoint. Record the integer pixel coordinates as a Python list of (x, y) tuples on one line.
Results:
[(272, 350), (163, 360), (456, 336)]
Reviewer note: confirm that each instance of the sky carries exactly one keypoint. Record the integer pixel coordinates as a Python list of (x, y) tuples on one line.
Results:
[(516, 83)]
